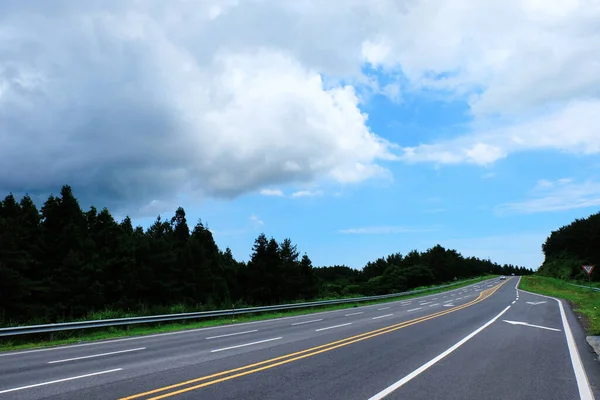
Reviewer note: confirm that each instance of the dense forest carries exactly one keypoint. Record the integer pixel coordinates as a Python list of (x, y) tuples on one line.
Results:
[(572, 246), (60, 263)]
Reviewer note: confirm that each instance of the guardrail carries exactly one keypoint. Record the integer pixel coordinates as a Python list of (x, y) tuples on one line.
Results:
[(595, 289), (50, 328)]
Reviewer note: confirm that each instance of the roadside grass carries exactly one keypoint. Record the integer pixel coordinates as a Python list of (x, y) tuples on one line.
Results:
[(72, 337), (584, 302)]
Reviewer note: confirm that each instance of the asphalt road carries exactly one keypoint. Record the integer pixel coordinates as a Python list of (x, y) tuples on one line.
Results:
[(486, 340)]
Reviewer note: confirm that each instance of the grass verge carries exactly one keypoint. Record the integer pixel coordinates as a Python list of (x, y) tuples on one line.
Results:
[(584, 302), (71, 337)]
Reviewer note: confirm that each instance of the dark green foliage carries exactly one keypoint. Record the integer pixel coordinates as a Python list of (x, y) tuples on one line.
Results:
[(62, 263), (572, 246)]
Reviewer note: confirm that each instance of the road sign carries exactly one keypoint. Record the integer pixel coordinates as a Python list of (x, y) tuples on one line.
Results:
[(588, 268)]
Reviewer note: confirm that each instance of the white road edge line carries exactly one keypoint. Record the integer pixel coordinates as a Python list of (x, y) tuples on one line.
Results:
[(382, 316), (96, 355), (354, 313), (331, 327), (60, 380), (583, 385), (415, 309), (433, 361), (231, 334), (307, 322), (245, 344)]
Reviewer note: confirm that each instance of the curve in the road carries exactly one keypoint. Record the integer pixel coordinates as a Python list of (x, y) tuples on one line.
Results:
[(288, 358)]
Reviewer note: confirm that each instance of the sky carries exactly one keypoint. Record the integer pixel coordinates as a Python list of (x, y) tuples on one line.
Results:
[(357, 129)]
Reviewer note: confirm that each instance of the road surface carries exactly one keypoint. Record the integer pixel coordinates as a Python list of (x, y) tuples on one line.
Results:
[(488, 340)]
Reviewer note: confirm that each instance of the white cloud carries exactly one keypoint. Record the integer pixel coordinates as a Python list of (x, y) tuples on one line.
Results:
[(272, 192), (135, 101), (512, 56), (154, 208), (570, 129), (559, 195), (255, 220), (382, 230), (307, 193)]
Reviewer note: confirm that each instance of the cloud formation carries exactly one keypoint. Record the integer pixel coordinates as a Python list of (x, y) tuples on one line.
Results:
[(569, 129), (551, 196), (135, 102), (272, 192)]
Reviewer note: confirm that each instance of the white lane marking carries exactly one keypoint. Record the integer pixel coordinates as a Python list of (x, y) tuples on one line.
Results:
[(433, 361), (354, 313), (187, 331), (535, 303), (458, 298), (435, 298), (448, 305), (583, 385), (384, 308), (453, 294), (245, 344), (448, 301), (382, 316), (307, 322), (422, 304), (415, 309), (331, 327), (444, 297), (514, 301), (433, 305), (534, 326), (60, 380), (231, 334), (96, 355)]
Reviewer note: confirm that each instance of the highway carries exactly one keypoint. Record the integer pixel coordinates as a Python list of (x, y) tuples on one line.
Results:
[(487, 340)]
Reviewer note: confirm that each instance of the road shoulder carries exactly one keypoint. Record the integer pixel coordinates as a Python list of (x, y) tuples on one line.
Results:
[(587, 355)]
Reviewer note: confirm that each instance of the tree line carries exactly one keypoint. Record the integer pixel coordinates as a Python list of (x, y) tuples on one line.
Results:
[(61, 263), (570, 247)]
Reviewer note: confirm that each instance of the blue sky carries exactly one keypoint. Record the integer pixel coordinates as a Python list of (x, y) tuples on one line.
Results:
[(418, 206), (423, 205), (356, 132)]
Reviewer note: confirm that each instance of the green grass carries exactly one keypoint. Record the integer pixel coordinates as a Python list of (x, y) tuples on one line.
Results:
[(584, 302), (71, 337)]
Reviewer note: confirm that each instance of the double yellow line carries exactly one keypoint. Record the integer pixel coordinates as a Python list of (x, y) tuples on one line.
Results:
[(288, 358)]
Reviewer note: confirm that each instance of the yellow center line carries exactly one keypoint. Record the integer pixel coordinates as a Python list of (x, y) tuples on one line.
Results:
[(277, 361)]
